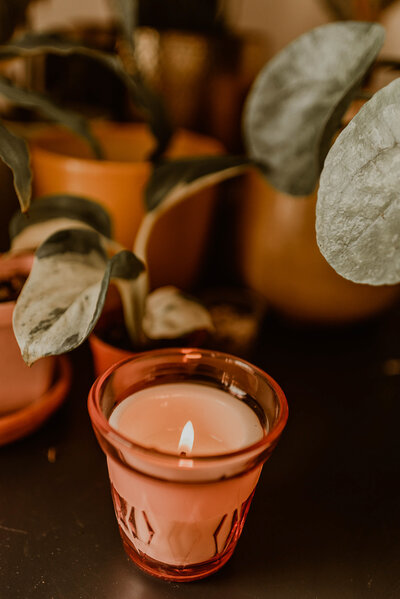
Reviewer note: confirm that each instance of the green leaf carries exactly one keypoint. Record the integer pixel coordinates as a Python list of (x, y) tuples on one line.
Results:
[(175, 179), (14, 152), (149, 104), (53, 213), (297, 102), (358, 208), (64, 295), (170, 314), (29, 99)]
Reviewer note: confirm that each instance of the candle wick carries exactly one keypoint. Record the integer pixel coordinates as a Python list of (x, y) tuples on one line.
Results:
[(183, 453)]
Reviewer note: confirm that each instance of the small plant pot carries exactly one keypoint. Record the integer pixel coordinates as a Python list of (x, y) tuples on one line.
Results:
[(279, 258), (62, 163), (20, 385), (110, 342)]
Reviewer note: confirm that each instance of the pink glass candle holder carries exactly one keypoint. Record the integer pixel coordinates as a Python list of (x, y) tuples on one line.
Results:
[(186, 433)]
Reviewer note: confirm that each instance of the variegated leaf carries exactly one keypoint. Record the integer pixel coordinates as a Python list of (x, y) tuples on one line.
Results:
[(298, 100), (169, 314), (64, 295), (358, 208)]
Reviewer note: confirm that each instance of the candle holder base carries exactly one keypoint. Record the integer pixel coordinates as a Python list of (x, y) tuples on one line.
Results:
[(175, 573)]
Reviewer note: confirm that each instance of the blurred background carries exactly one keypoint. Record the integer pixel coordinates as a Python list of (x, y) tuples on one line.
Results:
[(202, 57)]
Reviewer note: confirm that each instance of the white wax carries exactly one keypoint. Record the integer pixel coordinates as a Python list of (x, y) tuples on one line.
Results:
[(154, 417)]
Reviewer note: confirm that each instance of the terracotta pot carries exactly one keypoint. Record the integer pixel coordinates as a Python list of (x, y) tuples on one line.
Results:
[(20, 385), (61, 163), (280, 259)]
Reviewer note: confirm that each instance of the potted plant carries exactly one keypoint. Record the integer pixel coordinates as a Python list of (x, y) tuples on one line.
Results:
[(67, 289), (62, 163), (29, 395), (290, 156), (293, 112)]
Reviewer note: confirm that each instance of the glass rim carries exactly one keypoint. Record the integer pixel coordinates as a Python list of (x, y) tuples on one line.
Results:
[(101, 423)]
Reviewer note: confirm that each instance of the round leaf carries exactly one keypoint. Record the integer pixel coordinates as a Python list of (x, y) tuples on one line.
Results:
[(358, 209), (298, 100)]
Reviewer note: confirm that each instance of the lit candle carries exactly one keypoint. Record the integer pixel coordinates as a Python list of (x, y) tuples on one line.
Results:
[(198, 420), (184, 456)]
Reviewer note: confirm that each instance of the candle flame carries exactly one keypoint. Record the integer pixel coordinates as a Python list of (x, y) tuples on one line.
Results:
[(187, 438)]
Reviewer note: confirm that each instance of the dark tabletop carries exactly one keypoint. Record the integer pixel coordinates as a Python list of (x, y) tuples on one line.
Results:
[(325, 519)]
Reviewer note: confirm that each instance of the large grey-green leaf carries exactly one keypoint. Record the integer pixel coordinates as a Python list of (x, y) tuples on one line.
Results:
[(29, 99), (358, 208), (53, 213), (297, 102), (148, 102), (65, 292), (174, 179), (14, 152)]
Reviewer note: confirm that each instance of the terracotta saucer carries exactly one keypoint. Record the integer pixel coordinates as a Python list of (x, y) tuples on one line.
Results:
[(22, 422)]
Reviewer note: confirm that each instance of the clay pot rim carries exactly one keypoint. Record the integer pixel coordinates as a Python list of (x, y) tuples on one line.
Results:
[(109, 129)]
